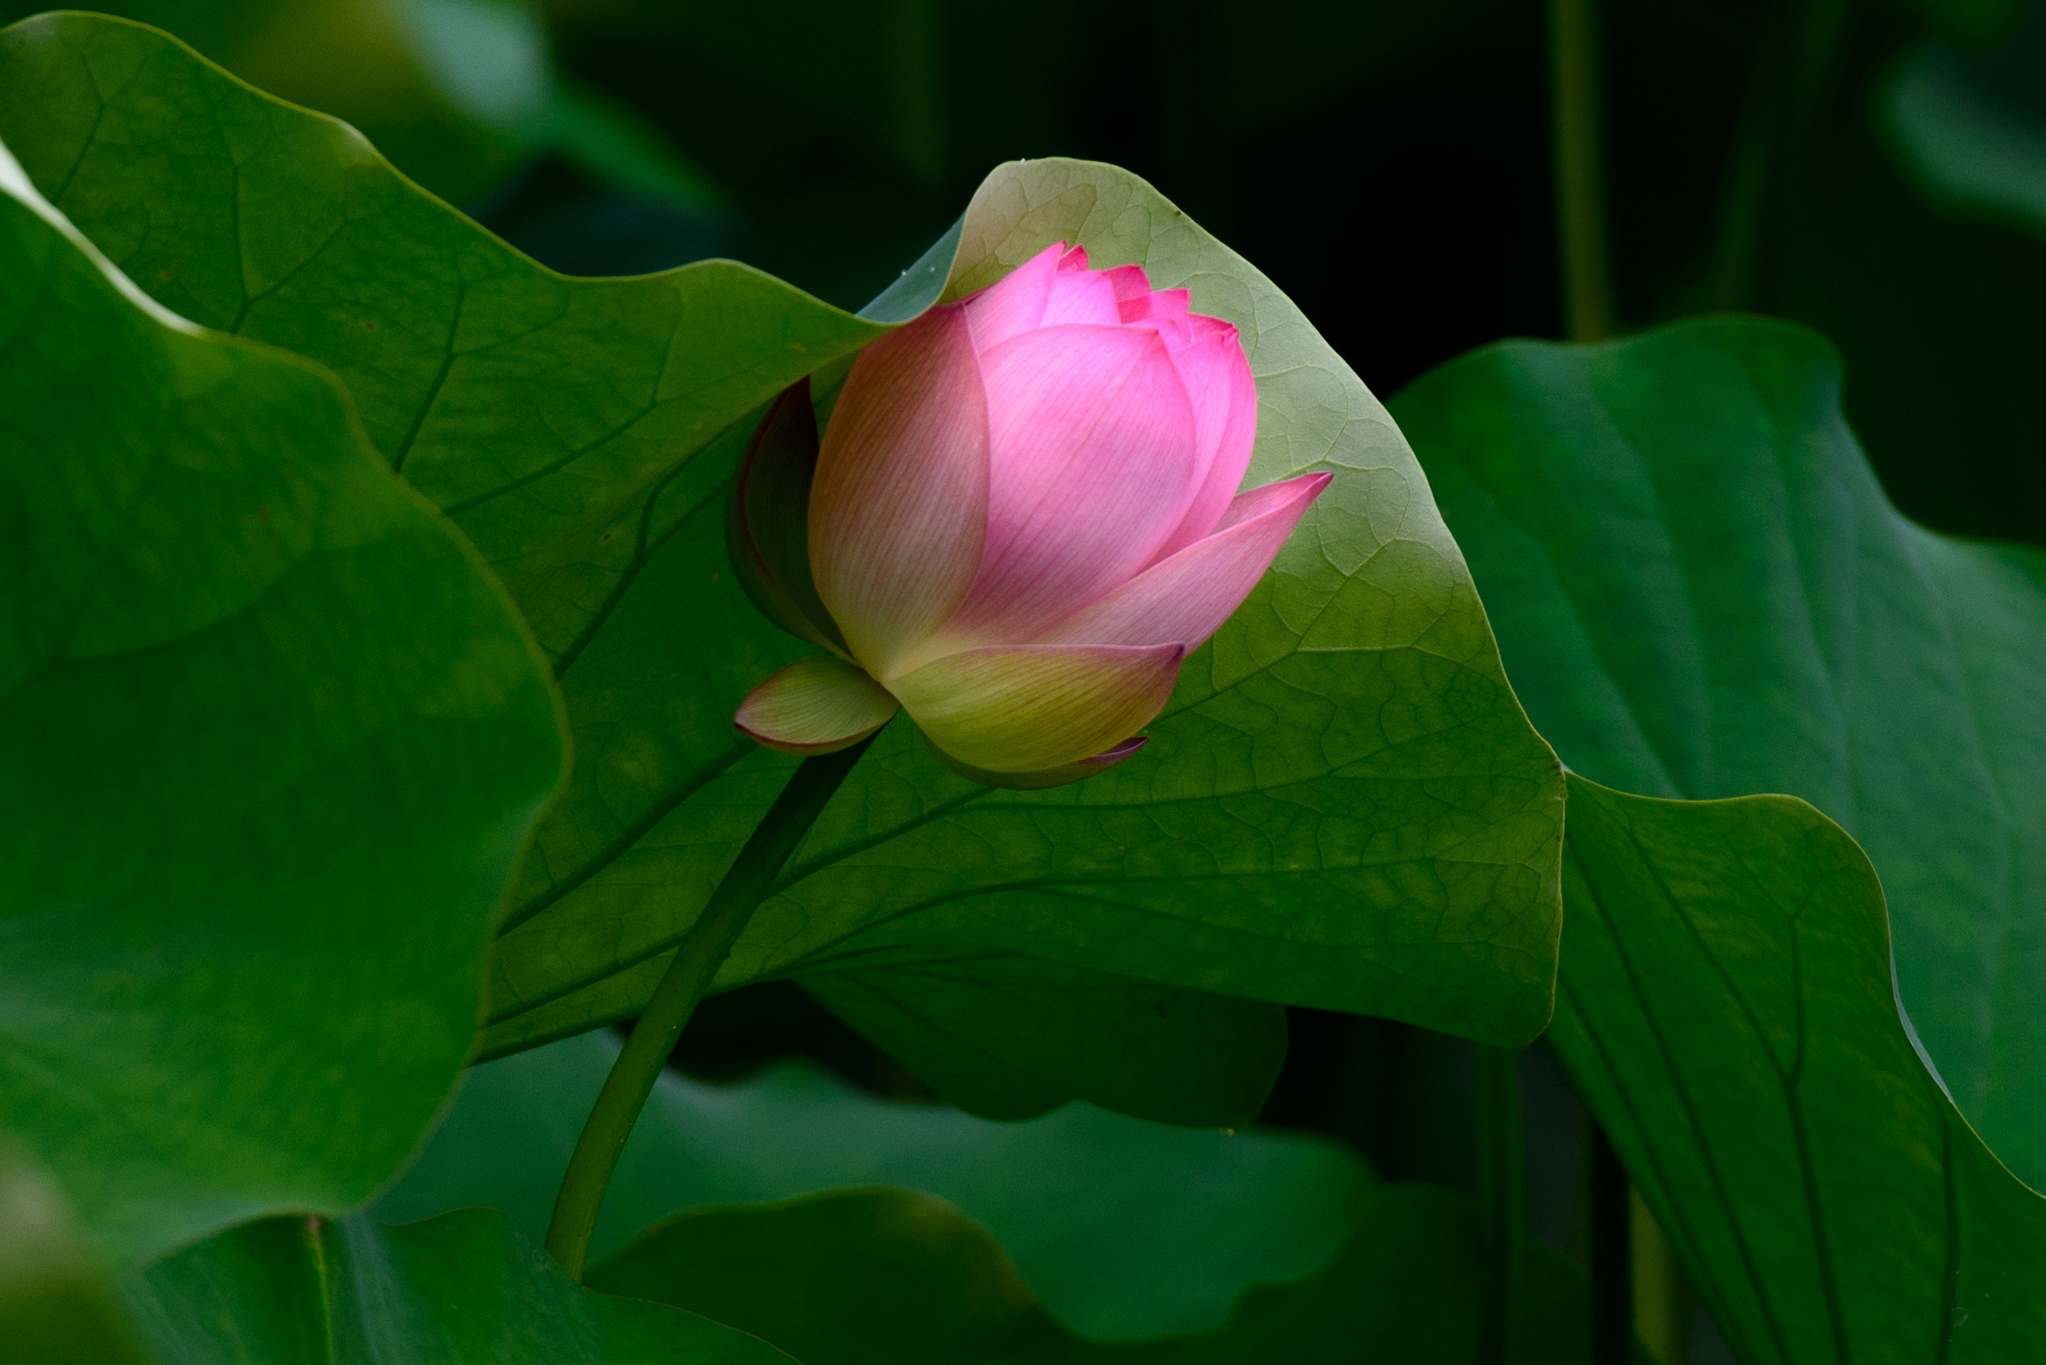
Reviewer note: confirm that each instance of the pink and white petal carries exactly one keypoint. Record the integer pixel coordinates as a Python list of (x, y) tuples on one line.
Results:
[(1085, 297), (1048, 777), (1092, 465), (1014, 304), (898, 508), (1185, 599), (1032, 708), (815, 706), (1218, 378)]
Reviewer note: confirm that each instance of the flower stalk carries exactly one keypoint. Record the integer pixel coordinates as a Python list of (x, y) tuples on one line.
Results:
[(1580, 177), (697, 959)]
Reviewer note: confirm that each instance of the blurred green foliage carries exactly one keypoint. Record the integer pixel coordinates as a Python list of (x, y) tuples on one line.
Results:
[(457, 93), (1123, 1228), (56, 1307)]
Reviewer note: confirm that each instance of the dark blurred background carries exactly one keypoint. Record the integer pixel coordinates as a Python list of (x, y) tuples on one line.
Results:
[(1876, 168)]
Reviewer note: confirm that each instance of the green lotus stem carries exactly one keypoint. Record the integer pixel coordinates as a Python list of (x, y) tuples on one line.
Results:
[(1580, 177), (1500, 1185), (1792, 85), (697, 959)]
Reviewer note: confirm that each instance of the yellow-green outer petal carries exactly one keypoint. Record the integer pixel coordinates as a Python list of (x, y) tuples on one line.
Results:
[(815, 706), (1024, 708)]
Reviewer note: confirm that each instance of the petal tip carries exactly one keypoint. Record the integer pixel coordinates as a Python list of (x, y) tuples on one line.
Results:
[(817, 705)]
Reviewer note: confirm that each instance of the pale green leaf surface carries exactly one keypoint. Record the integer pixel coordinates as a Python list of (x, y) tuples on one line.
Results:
[(1123, 1228), (466, 1287), (270, 743), (1342, 806), (891, 1277), (1703, 593), (1726, 1007)]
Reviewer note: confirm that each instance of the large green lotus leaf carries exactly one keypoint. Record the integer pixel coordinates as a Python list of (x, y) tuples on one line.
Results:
[(1703, 593), (1058, 1032), (1124, 1228), (1727, 1008), (892, 1277), (466, 1287), (1342, 806), (270, 743), (847, 1277)]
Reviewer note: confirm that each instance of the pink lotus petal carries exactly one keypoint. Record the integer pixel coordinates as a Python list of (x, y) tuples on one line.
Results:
[(1076, 259), (1130, 282), (898, 509), (1014, 304), (814, 706), (1185, 599), (1218, 374), (1031, 708), (1166, 307), (1049, 777), (1091, 449), (1085, 297)]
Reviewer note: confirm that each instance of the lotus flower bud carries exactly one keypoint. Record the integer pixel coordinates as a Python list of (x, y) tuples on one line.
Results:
[(1022, 517)]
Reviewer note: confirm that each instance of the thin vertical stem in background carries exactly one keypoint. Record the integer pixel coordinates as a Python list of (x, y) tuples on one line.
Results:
[(1612, 1256), (1500, 1189), (697, 959), (1796, 66), (1588, 316), (1580, 177), (915, 78)]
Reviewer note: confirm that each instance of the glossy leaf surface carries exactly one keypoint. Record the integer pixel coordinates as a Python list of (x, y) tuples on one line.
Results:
[(466, 1287), (1342, 806), (1703, 593), (1726, 1005), (864, 1277), (270, 743), (1124, 1228)]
